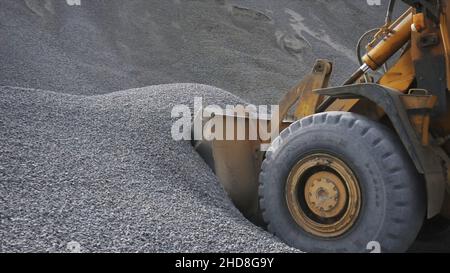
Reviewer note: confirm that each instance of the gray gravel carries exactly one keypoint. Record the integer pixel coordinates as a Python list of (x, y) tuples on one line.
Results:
[(103, 171), (257, 49), (86, 163)]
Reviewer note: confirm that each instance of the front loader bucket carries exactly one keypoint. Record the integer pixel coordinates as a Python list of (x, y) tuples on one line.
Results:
[(237, 165), (236, 160)]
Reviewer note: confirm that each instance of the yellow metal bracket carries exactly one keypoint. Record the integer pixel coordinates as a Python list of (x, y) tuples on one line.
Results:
[(303, 92)]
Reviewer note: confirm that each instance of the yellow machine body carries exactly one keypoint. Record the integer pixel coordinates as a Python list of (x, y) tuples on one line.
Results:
[(420, 75)]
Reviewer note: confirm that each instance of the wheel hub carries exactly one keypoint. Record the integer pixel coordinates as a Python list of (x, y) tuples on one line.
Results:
[(323, 195)]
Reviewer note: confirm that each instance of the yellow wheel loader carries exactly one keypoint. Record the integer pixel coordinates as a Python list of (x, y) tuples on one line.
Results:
[(362, 164)]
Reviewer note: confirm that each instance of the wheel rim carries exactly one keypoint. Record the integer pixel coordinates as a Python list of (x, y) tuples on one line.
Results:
[(323, 195)]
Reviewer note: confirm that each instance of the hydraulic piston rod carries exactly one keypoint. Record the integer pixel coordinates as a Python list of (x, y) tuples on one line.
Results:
[(399, 33)]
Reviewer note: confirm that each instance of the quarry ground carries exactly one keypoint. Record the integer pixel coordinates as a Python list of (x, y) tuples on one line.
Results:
[(85, 149)]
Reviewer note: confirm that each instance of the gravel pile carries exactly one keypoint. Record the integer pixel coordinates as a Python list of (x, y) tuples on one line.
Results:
[(104, 171), (89, 164), (256, 49)]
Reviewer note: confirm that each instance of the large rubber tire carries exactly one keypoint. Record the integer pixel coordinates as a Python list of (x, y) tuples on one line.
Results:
[(393, 194)]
